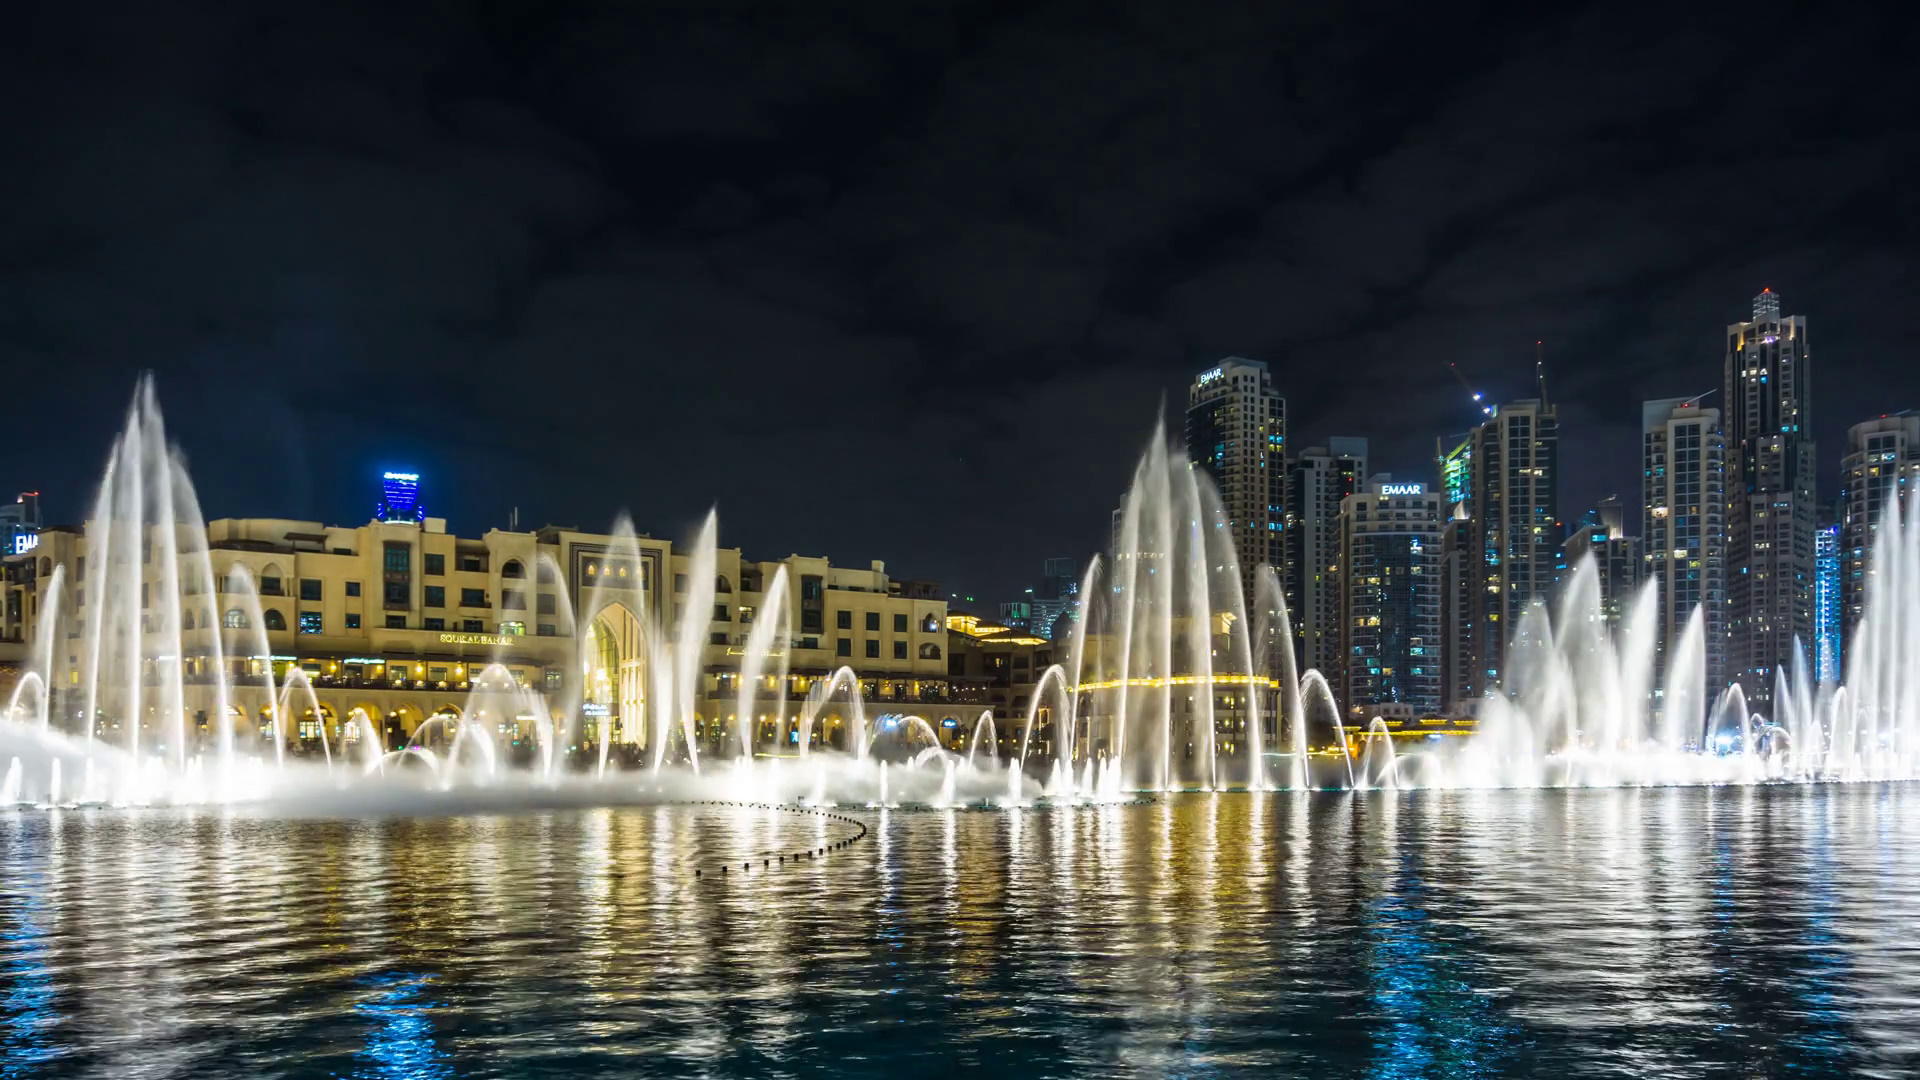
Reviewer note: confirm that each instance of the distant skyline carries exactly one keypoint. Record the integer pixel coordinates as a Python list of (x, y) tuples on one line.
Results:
[(910, 283)]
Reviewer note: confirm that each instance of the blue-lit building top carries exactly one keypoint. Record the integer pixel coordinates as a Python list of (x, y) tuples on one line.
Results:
[(399, 498), (20, 524), (1826, 604)]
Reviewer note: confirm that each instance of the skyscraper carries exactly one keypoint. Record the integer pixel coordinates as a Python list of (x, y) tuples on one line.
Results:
[(1770, 492), (1826, 604), (1515, 555), (1318, 481), (1460, 570), (1616, 556), (1459, 578), (1881, 466), (1683, 525), (1236, 431), (1390, 597)]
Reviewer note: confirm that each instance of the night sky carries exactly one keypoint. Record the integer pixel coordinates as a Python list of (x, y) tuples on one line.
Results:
[(911, 281)]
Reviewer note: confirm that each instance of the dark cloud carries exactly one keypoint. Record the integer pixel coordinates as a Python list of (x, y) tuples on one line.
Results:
[(910, 280)]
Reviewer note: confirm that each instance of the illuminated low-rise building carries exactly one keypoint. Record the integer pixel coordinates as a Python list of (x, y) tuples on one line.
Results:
[(397, 619), (992, 667)]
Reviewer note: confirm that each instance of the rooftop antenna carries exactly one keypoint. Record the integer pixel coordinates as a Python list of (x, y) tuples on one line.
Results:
[(1540, 369)]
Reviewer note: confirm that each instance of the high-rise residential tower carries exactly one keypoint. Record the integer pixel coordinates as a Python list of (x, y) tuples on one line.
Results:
[(1514, 551), (1460, 570), (1318, 481), (1770, 492), (1683, 529), (1390, 597), (1881, 468), (1237, 432)]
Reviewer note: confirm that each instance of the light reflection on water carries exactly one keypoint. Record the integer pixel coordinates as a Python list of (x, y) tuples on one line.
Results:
[(1640, 933)]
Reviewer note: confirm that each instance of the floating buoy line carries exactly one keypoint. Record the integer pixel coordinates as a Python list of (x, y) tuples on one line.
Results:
[(785, 859)]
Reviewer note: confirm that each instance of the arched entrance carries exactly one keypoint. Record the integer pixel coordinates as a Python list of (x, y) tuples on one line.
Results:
[(400, 725), (614, 669)]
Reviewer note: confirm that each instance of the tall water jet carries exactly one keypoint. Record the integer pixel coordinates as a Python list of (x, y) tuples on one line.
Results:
[(690, 636), (252, 626), (572, 679), (1684, 715), (1159, 494), (359, 733), (1240, 631), (297, 682), (201, 582), (1077, 658), (771, 633), (993, 741), (1127, 561), (945, 799), (1274, 631), (1199, 607), (818, 698), (1053, 677), (40, 677)]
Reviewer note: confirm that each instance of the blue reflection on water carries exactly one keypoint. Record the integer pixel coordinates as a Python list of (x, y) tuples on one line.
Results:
[(28, 1004), (1430, 1022), (1820, 981), (401, 1046)]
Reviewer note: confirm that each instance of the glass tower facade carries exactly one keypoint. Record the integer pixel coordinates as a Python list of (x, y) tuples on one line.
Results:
[(1826, 604)]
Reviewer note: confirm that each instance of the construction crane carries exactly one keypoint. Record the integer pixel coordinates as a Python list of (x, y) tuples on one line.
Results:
[(1485, 409)]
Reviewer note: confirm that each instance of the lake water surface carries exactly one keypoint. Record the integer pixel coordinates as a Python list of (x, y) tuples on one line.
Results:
[(1645, 933)]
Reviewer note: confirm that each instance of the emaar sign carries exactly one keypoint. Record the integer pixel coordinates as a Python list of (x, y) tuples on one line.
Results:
[(1403, 489)]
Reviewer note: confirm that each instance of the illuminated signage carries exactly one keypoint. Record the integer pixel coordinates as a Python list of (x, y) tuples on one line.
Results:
[(400, 497), (25, 542), (594, 708), (1403, 489), (475, 639), (1209, 376)]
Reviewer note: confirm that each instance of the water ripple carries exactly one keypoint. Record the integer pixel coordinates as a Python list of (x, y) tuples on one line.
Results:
[(1648, 933)]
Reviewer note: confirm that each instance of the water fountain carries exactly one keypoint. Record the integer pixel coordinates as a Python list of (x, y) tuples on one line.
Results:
[(1169, 682)]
